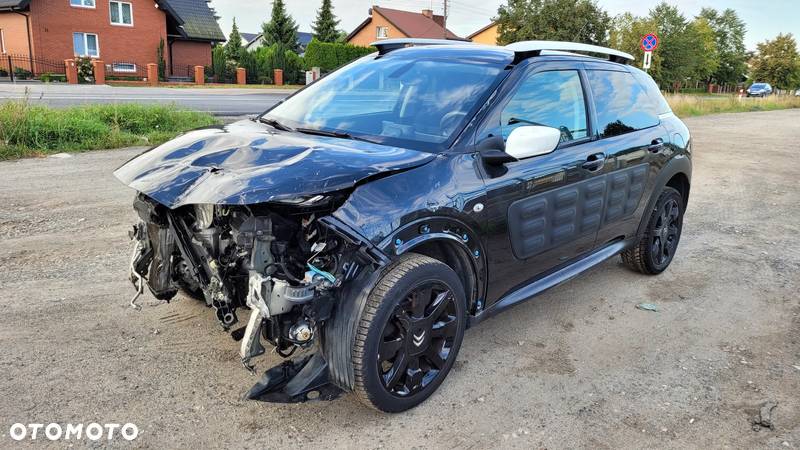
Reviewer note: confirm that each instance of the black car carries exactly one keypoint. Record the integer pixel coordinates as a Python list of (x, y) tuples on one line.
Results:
[(370, 218)]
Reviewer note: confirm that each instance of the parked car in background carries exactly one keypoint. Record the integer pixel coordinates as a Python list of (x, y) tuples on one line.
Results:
[(797, 93), (373, 216), (759, 90)]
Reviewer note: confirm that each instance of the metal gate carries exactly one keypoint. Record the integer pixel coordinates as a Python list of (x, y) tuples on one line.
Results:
[(21, 67)]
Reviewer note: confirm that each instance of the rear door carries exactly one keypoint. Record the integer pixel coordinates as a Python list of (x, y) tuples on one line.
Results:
[(630, 134)]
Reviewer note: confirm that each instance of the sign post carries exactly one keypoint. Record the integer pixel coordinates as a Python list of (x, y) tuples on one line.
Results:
[(649, 43)]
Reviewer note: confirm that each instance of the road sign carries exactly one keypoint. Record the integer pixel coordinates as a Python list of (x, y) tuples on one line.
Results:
[(649, 42), (648, 58)]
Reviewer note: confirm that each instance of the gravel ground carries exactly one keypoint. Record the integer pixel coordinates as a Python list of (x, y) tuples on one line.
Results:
[(578, 367)]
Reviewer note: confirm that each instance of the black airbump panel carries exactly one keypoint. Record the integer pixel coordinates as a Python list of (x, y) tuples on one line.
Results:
[(544, 221)]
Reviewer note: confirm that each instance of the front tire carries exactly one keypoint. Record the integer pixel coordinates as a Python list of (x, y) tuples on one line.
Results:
[(409, 334), (654, 252)]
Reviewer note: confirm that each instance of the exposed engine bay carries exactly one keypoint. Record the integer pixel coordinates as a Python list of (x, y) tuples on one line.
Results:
[(279, 260)]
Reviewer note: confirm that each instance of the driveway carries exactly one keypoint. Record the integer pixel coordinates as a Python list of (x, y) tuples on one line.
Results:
[(578, 367), (217, 101)]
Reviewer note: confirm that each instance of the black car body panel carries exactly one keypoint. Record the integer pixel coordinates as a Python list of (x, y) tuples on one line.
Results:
[(248, 162)]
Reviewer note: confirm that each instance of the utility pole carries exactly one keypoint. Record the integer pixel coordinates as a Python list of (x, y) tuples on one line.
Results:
[(445, 19)]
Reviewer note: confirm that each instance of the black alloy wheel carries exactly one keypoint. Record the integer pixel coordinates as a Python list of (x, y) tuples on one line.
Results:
[(408, 333), (418, 339), (666, 232), (656, 249)]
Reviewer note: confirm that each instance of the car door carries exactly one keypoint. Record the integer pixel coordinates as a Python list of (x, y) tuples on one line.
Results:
[(629, 133), (543, 210)]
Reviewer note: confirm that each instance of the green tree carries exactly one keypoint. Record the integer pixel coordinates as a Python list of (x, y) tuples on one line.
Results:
[(707, 61), (555, 20), (234, 48), (281, 29), (777, 62), (729, 31), (325, 25)]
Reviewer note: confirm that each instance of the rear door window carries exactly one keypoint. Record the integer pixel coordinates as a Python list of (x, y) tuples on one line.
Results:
[(622, 104)]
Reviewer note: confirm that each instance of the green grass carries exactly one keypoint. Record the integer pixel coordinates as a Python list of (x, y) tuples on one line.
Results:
[(28, 130), (693, 105)]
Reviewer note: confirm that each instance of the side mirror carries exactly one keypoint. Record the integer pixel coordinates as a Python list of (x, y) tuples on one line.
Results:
[(534, 140)]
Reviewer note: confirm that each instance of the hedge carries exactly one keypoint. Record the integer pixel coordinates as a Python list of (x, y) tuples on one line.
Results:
[(330, 56)]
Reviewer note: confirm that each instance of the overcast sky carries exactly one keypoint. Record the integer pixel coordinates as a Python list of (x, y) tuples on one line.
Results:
[(764, 18)]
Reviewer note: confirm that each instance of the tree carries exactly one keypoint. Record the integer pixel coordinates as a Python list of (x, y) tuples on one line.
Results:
[(729, 33), (707, 60), (777, 62), (325, 25), (234, 48), (281, 29), (555, 20)]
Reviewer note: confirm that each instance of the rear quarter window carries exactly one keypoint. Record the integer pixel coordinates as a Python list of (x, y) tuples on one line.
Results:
[(622, 103), (660, 104)]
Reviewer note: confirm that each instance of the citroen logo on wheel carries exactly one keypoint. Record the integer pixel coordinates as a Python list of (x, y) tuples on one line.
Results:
[(419, 339)]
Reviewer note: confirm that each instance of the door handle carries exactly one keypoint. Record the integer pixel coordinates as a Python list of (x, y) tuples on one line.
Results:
[(594, 162), (656, 146)]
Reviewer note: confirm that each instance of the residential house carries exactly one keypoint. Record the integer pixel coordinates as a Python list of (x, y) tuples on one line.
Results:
[(487, 35), (386, 23), (125, 34), (247, 38), (303, 39)]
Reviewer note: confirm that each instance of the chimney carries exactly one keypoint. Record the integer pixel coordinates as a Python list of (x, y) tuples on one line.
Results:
[(428, 13)]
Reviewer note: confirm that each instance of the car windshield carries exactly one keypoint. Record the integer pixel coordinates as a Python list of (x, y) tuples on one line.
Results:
[(417, 103), (758, 85)]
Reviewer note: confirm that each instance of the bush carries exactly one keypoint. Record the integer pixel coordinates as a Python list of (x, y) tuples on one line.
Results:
[(27, 130), (331, 56), (262, 62), (50, 77), (3, 73), (22, 74), (85, 69)]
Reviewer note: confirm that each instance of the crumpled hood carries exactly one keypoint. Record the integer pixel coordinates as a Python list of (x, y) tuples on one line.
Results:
[(248, 162)]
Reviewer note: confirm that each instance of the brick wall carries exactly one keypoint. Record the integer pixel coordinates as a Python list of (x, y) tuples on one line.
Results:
[(189, 53), (54, 21), (15, 34)]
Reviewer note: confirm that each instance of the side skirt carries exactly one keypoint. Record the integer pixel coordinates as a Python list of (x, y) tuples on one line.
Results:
[(535, 288)]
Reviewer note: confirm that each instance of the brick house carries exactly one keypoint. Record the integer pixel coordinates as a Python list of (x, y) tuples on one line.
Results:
[(386, 23), (125, 34), (487, 35)]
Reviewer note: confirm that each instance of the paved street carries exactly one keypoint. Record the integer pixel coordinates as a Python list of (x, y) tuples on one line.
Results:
[(220, 102)]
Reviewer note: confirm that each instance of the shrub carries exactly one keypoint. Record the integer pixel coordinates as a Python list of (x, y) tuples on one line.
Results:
[(85, 69), (22, 74), (50, 77), (330, 56)]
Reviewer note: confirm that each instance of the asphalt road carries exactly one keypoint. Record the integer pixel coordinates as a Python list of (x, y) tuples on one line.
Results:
[(220, 102), (578, 367)]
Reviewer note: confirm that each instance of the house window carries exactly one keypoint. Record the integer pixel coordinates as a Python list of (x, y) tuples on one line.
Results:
[(86, 44), (121, 13), (82, 3), (383, 32), (123, 67)]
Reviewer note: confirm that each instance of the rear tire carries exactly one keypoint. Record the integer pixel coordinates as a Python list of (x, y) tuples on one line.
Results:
[(409, 334), (654, 252)]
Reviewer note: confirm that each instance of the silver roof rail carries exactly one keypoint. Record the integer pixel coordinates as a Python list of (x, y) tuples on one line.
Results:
[(526, 49), (387, 45)]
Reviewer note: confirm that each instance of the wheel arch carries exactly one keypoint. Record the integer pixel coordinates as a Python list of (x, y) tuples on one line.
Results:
[(450, 241), (676, 174)]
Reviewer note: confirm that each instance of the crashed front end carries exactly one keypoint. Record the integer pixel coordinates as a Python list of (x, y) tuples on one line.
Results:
[(279, 260)]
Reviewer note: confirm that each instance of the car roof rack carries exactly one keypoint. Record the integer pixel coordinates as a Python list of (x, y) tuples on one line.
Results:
[(522, 50), (527, 49), (387, 45)]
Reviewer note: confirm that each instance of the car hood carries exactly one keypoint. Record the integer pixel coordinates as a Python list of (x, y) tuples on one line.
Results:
[(248, 162)]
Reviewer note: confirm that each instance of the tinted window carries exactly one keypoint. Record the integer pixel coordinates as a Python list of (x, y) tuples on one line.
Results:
[(553, 99), (621, 102), (659, 103)]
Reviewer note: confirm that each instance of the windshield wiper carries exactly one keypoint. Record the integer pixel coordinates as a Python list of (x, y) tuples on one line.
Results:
[(336, 134), (274, 124)]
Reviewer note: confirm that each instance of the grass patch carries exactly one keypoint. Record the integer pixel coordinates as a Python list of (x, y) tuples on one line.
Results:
[(694, 105), (33, 130)]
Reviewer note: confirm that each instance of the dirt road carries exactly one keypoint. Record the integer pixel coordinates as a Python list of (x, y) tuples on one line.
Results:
[(578, 367)]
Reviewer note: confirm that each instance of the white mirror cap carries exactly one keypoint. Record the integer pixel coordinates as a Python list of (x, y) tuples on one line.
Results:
[(527, 141)]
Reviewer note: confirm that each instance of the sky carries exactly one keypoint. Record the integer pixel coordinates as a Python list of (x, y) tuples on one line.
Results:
[(764, 18)]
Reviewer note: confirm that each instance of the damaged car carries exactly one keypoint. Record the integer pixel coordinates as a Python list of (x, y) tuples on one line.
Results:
[(361, 225)]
